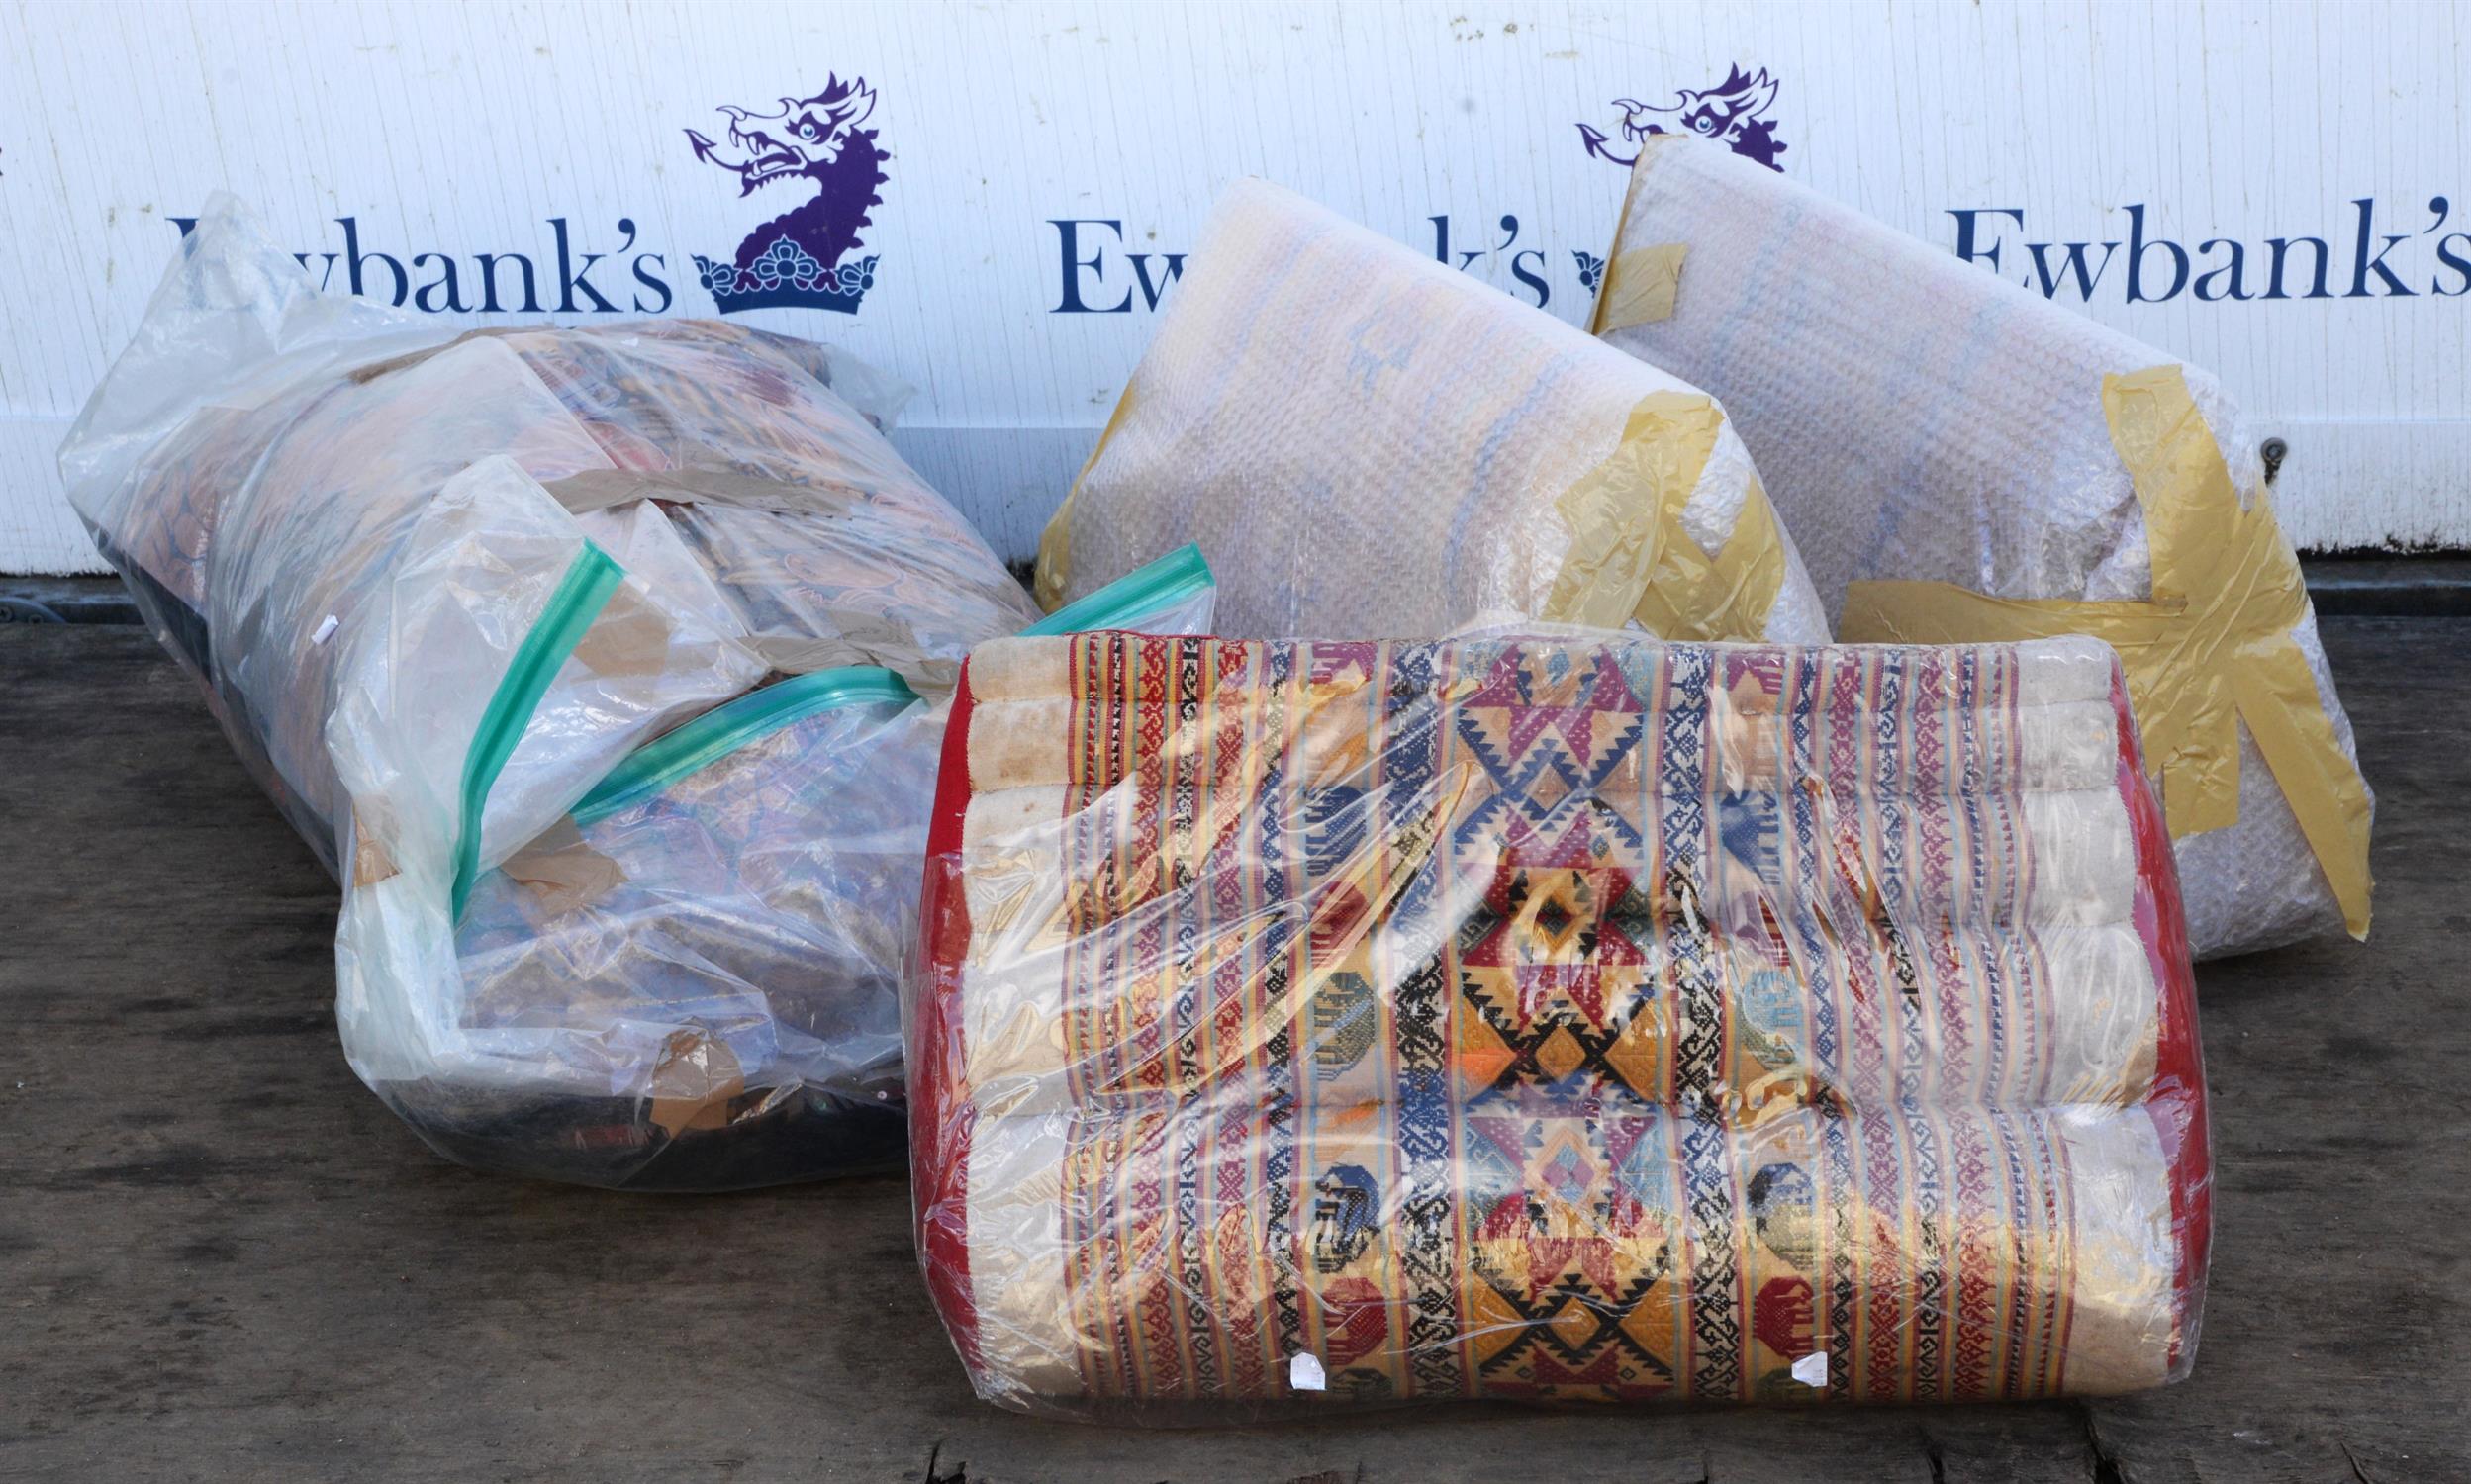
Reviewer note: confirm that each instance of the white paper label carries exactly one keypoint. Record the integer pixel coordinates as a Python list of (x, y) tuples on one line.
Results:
[(1304, 1373), (324, 630), (1812, 1369)]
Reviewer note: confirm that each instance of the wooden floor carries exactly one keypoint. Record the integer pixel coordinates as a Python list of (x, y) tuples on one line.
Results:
[(221, 1258)]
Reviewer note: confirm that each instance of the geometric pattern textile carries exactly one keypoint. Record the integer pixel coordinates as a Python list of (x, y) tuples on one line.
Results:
[(1553, 1018)]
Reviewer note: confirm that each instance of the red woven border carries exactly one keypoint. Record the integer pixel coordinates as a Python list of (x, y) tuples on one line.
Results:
[(2177, 1102), (940, 1123)]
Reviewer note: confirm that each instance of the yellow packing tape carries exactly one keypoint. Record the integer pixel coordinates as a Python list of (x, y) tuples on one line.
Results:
[(1630, 557), (2212, 648), (1055, 544), (1640, 287)]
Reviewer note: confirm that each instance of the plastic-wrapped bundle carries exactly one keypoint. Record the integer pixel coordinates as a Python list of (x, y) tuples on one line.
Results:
[(440, 588), (715, 935), (1965, 461), (261, 452), (1553, 1017), (1365, 441), (715, 941)]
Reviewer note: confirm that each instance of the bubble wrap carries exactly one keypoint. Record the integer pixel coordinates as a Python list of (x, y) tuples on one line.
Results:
[(1920, 420), (1365, 441)]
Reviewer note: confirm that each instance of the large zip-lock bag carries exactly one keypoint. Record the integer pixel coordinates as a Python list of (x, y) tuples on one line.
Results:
[(605, 669)]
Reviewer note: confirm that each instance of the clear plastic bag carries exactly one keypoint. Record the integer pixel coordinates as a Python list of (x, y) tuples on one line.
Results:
[(1556, 1018), (692, 980), (443, 591), (254, 461), (1365, 441), (1964, 460)]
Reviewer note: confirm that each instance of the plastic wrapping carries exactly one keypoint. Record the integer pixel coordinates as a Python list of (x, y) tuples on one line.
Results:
[(1964, 460), (254, 461), (591, 660), (746, 922), (692, 982), (1556, 1018), (1362, 440)]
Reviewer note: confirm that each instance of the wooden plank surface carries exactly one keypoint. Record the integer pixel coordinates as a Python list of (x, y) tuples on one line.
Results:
[(224, 1260)]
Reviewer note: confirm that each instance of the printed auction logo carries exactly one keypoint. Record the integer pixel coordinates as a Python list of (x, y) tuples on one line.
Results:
[(796, 258), (1731, 113)]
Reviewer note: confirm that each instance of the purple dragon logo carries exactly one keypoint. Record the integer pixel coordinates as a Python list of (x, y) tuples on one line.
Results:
[(1729, 113), (795, 258)]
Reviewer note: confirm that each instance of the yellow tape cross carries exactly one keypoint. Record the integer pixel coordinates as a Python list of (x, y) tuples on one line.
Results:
[(1630, 557), (2212, 648)]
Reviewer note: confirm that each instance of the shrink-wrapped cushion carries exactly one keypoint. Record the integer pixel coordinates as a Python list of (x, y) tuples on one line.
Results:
[(1553, 1017), (1365, 441), (1963, 460)]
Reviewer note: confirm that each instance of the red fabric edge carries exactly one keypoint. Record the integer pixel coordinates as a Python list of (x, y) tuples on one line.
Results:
[(940, 1122), (2177, 1102)]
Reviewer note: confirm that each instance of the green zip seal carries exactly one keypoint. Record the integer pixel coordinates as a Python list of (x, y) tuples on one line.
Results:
[(1136, 594), (722, 730), (726, 728), (580, 595)]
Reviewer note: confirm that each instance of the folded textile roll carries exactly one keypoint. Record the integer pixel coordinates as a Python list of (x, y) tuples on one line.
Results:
[(1913, 828), (1553, 1017), (1962, 1255), (1365, 441), (1962, 460)]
